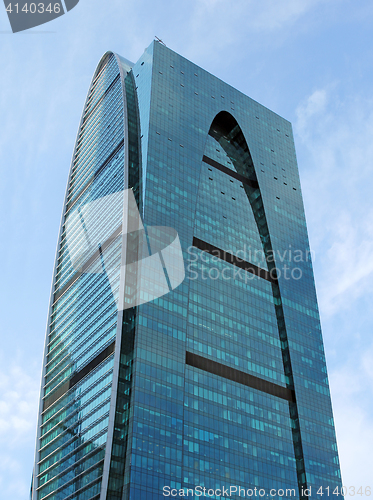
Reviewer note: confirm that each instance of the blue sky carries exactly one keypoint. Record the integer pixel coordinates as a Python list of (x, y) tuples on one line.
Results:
[(308, 60)]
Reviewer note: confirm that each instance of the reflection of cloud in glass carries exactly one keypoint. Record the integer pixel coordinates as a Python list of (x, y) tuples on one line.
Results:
[(153, 257)]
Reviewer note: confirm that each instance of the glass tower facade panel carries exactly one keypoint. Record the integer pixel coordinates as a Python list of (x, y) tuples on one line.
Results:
[(222, 381)]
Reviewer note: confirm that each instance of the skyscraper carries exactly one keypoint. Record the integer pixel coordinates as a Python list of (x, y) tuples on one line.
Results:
[(161, 379)]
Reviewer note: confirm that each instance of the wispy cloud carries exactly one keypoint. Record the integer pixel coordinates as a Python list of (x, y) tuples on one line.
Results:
[(352, 389), (213, 27), (18, 410), (336, 160), (266, 16), (335, 152)]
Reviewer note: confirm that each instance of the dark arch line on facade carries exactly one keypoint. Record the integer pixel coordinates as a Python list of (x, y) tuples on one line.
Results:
[(227, 132)]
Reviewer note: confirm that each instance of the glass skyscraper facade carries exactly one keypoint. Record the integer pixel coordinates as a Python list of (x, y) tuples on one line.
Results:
[(221, 382)]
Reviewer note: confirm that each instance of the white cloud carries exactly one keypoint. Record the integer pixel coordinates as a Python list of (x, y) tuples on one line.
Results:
[(18, 413), (352, 391), (267, 15), (17, 403), (273, 15), (213, 27), (313, 105), (336, 154)]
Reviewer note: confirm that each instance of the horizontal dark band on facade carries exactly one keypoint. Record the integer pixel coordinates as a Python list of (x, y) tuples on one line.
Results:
[(232, 173), (77, 377), (232, 259), (208, 365), (72, 202), (86, 265)]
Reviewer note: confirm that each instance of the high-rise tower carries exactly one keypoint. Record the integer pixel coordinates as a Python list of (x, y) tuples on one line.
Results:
[(162, 372)]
